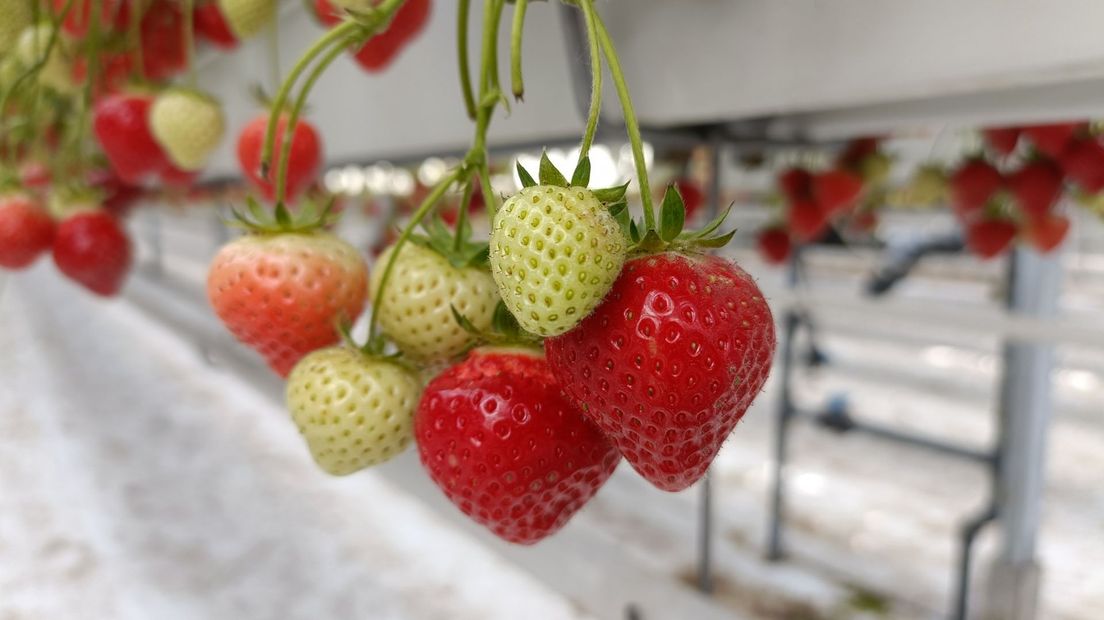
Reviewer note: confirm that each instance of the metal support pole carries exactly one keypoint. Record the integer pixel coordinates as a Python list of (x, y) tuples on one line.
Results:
[(1034, 285), (156, 242), (783, 414)]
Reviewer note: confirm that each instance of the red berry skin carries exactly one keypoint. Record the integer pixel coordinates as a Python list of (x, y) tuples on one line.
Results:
[(303, 162), (164, 41), (669, 362), (114, 16), (327, 13), (774, 245), (174, 177), (112, 74), (121, 125), (692, 196), (972, 185), (210, 24), (1083, 162), (1052, 140), (796, 184), (1002, 140), (856, 151), (94, 251), (836, 191), (807, 221), (988, 238), (1047, 233), (118, 197), (35, 176), (499, 438), (26, 231), (1036, 186), (381, 50)]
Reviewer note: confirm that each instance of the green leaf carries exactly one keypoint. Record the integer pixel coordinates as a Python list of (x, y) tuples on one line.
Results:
[(623, 217), (477, 255), (617, 208), (463, 322), (611, 194), (526, 178), (549, 174), (712, 226), (581, 176), (672, 214), (283, 218), (634, 231), (504, 322), (716, 242)]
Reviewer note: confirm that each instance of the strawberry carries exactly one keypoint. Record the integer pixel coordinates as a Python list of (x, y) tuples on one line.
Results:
[(282, 293), (174, 177), (94, 251), (836, 191), (972, 185), (989, 237), (796, 184), (1052, 140), (163, 40), (1083, 162), (669, 362), (303, 163), (327, 13), (416, 312), (555, 251), (497, 436), (188, 125), (692, 196), (114, 16), (353, 410), (26, 231), (15, 16), (34, 175), (807, 221), (112, 74), (1047, 232), (1036, 186), (382, 49), (247, 17), (121, 125), (1002, 140), (118, 196), (56, 72), (774, 245), (211, 25), (857, 150)]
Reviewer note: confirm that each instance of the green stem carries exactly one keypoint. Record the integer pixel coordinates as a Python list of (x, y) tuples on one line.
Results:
[(489, 96), (595, 80), (427, 205), (462, 12), (91, 75), (188, 7), (337, 34), (274, 52), (517, 83), (462, 215), (293, 118), (632, 127)]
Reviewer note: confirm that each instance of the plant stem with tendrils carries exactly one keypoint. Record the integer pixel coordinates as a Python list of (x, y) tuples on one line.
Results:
[(463, 8), (517, 83), (595, 80)]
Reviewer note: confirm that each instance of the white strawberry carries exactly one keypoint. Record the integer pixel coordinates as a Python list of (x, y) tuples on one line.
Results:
[(247, 17), (189, 125)]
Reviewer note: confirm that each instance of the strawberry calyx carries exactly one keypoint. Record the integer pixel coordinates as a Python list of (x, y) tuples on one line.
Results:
[(374, 350), (505, 331), (308, 219), (456, 247)]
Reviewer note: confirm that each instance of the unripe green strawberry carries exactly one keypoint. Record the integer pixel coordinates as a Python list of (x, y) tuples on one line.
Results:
[(247, 17), (555, 253), (188, 125), (15, 15), (353, 410), (416, 310), (31, 47)]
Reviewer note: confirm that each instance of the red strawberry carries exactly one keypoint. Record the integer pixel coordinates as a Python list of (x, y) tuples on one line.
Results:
[(856, 151), (382, 49), (1036, 187), (795, 184), (990, 236), (121, 125), (972, 185), (283, 293), (174, 177), (118, 197), (1083, 162), (303, 163), (26, 231), (774, 245), (211, 25), (807, 221), (93, 250), (114, 16), (1052, 140), (836, 191), (692, 196), (1048, 232), (163, 40), (669, 362), (1002, 140), (499, 438), (112, 74), (35, 175), (327, 13)]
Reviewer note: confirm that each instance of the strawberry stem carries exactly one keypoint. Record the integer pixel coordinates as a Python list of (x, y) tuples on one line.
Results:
[(373, 345), (189, 41), (462, 12), (489, 96), (632, 127), (595, 81), (517, 83)]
